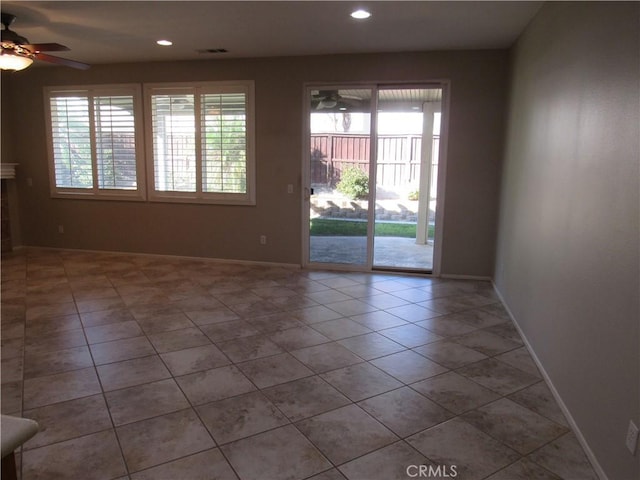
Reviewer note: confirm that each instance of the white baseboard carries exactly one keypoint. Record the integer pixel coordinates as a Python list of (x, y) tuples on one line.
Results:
[(174, 257), (572, 423), (453, 276)]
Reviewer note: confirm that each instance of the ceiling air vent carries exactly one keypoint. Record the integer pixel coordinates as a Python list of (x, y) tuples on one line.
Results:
[(213, 50)]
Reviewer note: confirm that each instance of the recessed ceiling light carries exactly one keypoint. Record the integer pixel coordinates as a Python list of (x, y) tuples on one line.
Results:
[(360, 14), (165, 43)]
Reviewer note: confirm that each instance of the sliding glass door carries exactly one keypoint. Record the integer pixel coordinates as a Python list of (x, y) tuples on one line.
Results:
[(339, 165), (372, 176), (408, 132)]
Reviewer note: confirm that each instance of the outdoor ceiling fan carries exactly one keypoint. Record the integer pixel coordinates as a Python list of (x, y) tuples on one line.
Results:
[(332, 100), (17, 53)]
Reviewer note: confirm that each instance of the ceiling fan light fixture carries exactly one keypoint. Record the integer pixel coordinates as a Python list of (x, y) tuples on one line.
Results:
[(164, 43), (14, 62), (360, 14)]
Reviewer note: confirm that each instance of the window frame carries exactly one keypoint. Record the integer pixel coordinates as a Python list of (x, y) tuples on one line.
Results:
[(96, 192), (202, 88)]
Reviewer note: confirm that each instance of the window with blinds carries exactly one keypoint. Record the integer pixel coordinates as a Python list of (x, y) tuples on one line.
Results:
[(201, 136), (93, 141)]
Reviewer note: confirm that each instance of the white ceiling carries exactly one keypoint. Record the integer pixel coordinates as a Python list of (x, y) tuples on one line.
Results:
[(125, 31)]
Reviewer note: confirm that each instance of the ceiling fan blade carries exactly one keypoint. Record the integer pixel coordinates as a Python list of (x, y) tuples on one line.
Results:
[(61, 61), (46, 47)]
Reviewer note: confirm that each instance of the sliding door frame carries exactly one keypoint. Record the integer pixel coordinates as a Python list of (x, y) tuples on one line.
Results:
[(442, 162)]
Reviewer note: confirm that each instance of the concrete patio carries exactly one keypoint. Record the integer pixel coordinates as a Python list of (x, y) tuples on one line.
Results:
[(394, 252)]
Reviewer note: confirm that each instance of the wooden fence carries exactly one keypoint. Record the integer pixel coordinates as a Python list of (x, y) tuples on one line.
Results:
[(398, 158)]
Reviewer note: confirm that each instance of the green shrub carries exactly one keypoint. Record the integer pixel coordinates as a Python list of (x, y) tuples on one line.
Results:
[(414, 195), (354, 183)]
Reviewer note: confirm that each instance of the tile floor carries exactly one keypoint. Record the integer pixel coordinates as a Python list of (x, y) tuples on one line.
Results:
[(145, 367)]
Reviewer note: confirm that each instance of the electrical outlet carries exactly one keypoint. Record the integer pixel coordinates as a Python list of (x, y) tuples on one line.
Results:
[(60, 228), (290, 188), (263, 239), (632, 437)]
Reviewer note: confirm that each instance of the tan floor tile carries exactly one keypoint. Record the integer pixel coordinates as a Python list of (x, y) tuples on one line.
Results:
[(299, 337), (178, 339), (514, 425), (274, 322), (129, 373), (455, 392), (371, 345), (105, 317), (113, 331), (384, 301), (239, 417), (341, 328), (405, 411), (378, 320), (361, 381), (119, 350), (446, 327), (332, 474), (209, 316), (215, 384), (410, 335), (268, 371), (539, 398), (165, 438), (485, 342), (165, 323), (408, 366), (219, 332), (325, 357), (49, 325), (284, 454), (11, 398), (456, 443), (524, 469), (209, 465), (305, 397), (96, 456), (346, 433), (142, 316), (315, 314), (196, 359), (56, 341), (67, 420), (520, 359), (450, 354), (60, 387), (393, 462), (250, 348), (48, 363), (12, 369), (498, 376), (351, 307), (565, 458), (145, 401), (413, 312)]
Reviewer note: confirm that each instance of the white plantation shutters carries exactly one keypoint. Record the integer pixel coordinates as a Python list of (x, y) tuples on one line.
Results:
[(224, 143), (201, 139), (71, 137), (94, 150), (115, 142), (174, 142), (187, 142)]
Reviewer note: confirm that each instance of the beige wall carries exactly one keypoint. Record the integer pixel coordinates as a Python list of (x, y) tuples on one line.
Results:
[(478, 95), (567, 255)]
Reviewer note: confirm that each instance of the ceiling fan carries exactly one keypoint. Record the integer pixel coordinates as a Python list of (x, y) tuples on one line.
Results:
[(332, 100), (17, 53)]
